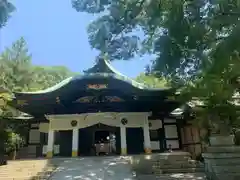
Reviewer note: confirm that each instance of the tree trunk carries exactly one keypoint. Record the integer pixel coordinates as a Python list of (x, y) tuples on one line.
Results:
[(224, 129), (13, 155), (2, 154)]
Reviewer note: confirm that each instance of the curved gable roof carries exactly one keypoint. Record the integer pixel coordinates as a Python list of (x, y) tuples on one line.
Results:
[(102, 69)]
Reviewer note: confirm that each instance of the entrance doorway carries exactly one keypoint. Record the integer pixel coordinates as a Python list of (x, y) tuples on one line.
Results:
[(92, 137), (105, 142), (101, 136)]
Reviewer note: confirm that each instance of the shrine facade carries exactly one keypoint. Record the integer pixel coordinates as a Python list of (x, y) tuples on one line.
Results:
[(102, 106)]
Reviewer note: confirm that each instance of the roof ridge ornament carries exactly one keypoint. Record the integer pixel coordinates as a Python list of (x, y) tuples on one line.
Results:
[(102, 65)]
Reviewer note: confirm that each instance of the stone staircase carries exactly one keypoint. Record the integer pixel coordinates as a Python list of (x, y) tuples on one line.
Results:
[(26, 170), (166, 165), (28, 152), (176, 162), (222, 159), (177, 176)]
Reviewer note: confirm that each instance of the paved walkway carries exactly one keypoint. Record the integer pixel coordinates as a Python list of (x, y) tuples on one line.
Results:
[(94, 168), (24, 169)]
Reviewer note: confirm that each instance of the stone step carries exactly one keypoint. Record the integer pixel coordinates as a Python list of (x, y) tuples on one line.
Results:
[(174, 158), (228, 176), (231, 162), (144, 177), (26, 152), (182, 170), (179, 176), (223, 149), (220, 155), (182, 176), (178, 166), (179, 163), (25, 169), (226, 169)]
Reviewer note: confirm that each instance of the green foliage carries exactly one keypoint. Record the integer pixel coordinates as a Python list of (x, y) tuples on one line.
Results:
[(180, 33), (45, 77), (16, 67), (6, 8), (196, 44), (152, 81), (19, 74), (13, 142)]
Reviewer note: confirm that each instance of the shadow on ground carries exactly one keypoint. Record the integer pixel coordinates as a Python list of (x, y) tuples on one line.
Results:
[(94, 168), (48, 170), (28, 169)]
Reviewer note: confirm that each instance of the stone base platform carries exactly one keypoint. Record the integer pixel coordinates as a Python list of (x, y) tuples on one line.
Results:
[(222, 159), (28, 169), (165, 163), (176, 176)]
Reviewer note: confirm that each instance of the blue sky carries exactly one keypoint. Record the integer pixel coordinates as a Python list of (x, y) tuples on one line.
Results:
[(56, 35)]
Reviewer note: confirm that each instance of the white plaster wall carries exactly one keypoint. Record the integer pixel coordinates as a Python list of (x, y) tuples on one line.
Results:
[(56, 149), (44, 127), (174, 144), (35, 125), (169, 120), (171, 131), (156, 124), (155, 145), (34, 136)]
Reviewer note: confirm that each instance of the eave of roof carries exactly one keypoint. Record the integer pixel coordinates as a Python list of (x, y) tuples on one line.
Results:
[(114, 74)]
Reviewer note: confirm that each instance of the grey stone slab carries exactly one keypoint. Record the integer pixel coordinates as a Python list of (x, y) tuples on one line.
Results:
[(174, 176), (94, 168)]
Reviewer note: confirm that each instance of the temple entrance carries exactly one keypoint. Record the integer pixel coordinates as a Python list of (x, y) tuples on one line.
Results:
[(98, 139), (105, 140), (65, 143), (101, 136)]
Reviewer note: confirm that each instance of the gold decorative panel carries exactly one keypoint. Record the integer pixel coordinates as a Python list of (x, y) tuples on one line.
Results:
[(85, 99), (114, 99), (58, 101), (96, 86), (22, 102)]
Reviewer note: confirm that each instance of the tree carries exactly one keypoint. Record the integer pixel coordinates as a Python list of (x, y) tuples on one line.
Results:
[(46, 77), (180, 33), (195, 43), (16, 66), (19, 74), (6, 8), (152, 81)]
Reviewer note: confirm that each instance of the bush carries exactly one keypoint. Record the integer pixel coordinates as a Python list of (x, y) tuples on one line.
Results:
[(12, 143)]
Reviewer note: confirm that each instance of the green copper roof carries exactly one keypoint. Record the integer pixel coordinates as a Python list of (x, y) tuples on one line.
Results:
[(101, 69), (102, 66)]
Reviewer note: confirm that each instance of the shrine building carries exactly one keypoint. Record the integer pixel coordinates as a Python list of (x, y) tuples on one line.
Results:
[(100, 105)]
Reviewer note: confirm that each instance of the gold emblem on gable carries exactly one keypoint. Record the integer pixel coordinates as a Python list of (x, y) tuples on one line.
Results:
[(58, 101), (114, 99), (97, 86), (85, 99), (22, 102)]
